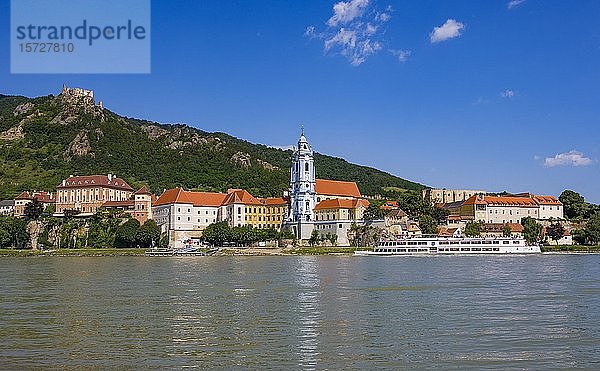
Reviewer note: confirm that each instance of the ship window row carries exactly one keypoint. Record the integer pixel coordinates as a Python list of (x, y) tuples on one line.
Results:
[(402, 250), (470, 249), (410, 243)]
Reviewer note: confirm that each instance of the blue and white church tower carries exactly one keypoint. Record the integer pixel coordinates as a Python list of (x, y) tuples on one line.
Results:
[(303, 197)]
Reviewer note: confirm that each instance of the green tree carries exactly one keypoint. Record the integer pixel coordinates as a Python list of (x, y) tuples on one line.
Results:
[(592, 230), (33, 210), (217, 233), (332, 237), (574, 204), (127, 233), (428, 224), (506, 230), (532, 230), (555, 231), (314, 239), (148, 234), (13, 232), (474, 229), (374, 211)]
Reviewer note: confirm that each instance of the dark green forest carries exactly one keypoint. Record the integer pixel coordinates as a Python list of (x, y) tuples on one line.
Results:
[(44, 140)]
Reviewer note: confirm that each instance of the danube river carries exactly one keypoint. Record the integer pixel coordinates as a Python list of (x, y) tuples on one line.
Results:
[(301, 312)]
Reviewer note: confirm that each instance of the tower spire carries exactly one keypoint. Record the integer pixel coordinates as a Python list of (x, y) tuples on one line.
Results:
[(302, 129)]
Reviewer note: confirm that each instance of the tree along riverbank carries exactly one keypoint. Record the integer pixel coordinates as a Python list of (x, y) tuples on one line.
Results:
[(254, 251), (572, 249)]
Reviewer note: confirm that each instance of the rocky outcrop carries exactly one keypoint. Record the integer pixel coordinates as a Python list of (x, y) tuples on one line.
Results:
[(265, 165), (34, 229), (80, 146), (241, 159), (15, 133), (23, 109), (154, 132)]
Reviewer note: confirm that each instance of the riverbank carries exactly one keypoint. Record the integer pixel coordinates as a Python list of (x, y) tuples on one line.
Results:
[(73, 252), (229, 251), (259, 251), (580, 249)]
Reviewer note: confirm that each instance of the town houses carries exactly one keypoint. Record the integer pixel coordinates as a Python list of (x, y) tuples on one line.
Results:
[(310, 206)]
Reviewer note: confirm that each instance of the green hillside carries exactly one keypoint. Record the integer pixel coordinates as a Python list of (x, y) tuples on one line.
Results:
[(45, 139)]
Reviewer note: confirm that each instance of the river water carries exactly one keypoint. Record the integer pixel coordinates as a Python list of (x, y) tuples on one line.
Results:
[(322, 312)]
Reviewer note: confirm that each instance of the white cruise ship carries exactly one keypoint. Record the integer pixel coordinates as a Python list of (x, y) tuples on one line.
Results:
[(451, 246)]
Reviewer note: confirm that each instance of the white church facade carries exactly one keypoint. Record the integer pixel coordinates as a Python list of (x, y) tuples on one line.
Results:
[(327, 206)]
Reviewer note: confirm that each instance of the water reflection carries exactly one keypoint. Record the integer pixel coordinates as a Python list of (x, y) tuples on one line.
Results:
[(300, 312), (308, 311)]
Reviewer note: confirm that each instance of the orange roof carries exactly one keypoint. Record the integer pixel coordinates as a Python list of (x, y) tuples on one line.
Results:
[(275, 201), (547, 200), (42, 196), (23, 196), (179, 196), (509, 201), (95, 181), (336, 188), (389, 205), (499, 227), (474, 200), (143, 191), (338, 203), (240, 196)]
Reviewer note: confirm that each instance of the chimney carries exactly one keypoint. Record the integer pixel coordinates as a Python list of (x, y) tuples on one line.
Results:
[(110, 176)]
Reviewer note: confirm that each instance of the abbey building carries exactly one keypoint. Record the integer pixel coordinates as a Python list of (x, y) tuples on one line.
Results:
[(328, 206)]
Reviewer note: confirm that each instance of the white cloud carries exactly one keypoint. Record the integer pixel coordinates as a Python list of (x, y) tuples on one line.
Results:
[(514, 3), (353, 31), (344, 38), (448, 30), (345, 12), (571, 158), (507, 93), (310, 32), (402, 55)]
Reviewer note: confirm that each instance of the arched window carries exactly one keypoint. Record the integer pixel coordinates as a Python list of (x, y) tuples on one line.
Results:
[(306, 166)]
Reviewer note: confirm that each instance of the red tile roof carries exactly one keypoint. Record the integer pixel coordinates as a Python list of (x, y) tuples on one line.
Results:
[(240, 196), (179, 196), (95, 181), (143, 191), (42, 196), (499, 227), (337, 203), (336, 188), (23, 196), (275, 201), (547, 200)]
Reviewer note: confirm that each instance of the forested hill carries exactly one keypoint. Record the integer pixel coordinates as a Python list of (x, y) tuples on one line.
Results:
[(45, 139)]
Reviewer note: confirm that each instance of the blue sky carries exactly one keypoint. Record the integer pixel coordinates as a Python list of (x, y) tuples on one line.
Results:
[(458, 94)]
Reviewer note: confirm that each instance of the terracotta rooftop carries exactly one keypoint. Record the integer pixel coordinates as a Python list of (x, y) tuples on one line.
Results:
[(275, 201), (547, 200), (179, 196), (42, 196), (337, 203), (499, 227), (337, 188), (240, 196), (23, 196), (95, 181), (143, 191)]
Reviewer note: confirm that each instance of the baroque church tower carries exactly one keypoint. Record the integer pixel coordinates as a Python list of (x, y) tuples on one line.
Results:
[(302, 187)]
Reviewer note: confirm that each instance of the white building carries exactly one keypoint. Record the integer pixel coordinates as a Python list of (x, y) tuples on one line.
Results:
[(303, 197), (7, 207)]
